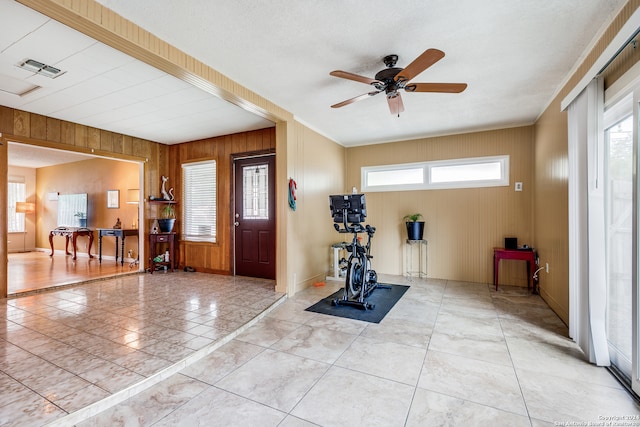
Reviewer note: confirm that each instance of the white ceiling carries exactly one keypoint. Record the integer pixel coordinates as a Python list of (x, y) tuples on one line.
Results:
[(27, 156), (514, 55), (104, 88)]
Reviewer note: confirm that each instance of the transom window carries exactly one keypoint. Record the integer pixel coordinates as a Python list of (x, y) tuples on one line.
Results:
[(442, 174)]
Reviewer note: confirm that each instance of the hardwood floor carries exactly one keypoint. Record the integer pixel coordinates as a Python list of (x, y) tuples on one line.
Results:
[(33, 271)]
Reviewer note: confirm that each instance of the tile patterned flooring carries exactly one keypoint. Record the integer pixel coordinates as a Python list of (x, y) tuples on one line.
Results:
[(134, 351)]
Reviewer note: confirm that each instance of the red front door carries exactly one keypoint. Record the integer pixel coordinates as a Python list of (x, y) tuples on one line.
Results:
[(254, 217)]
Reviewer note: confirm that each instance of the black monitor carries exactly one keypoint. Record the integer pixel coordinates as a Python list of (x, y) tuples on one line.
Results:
[(353, 204)]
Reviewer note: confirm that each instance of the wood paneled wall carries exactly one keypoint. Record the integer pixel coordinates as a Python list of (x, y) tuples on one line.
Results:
[(216, 257), (551, 171), (3, 216), (462, 225), (34, 129), (319, 170)]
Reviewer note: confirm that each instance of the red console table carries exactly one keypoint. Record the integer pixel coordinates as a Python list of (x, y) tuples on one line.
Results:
[(528, 255)]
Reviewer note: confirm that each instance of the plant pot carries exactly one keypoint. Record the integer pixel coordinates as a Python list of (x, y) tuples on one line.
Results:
[(166, 224), (82, 222), (415, 230)]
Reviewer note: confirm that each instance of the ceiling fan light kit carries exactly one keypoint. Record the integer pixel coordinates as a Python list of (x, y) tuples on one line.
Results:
[(393, 79)]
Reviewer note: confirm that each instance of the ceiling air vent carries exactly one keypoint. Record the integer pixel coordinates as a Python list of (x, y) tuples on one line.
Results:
[(40, 68)]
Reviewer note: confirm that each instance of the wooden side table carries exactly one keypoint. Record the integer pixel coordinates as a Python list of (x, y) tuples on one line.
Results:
[(71, 233), (528, 255), (118, 233), (163, 238)]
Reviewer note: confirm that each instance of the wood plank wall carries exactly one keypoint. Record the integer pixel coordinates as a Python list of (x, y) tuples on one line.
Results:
[(3, 216), (551, 212), (462, 225), (216, 257), (42, 131)]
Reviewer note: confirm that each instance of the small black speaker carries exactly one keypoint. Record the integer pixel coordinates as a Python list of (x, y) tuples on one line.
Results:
[(511, 243)]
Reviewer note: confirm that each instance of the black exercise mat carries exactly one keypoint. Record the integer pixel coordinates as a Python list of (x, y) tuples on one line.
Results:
[(383, 299)]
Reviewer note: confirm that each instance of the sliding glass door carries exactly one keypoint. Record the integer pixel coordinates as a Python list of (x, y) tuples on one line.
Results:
[(618, 167)]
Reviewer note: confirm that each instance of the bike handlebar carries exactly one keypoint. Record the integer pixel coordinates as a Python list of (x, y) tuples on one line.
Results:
[(355, 228)]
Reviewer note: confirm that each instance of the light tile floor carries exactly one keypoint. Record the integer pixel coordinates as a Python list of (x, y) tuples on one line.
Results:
[(448, 353), (78, 350)]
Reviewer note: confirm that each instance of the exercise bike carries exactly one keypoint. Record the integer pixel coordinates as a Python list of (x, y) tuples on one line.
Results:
[(348, 212)]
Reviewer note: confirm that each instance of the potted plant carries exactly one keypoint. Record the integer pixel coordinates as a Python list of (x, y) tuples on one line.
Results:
[(415, 228), (82, 219), (167, 218)]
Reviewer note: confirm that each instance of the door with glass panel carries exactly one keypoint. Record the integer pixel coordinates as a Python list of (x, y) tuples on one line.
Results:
[(254, 217), (618, 169)]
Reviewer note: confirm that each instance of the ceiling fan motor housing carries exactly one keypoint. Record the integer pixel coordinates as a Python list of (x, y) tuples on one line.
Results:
[(386, 76)]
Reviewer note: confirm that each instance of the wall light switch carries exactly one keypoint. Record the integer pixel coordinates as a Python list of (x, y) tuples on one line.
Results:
[(518, 186)]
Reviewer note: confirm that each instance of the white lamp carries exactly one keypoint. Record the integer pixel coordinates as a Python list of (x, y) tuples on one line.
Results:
[(133, 198)]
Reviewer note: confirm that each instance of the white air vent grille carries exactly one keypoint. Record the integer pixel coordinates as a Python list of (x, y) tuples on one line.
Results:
[(40, 68)]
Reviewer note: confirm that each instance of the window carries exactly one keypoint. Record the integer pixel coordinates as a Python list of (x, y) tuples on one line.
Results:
[(199, 193), (455, 173), (255, 181), (17, 191)]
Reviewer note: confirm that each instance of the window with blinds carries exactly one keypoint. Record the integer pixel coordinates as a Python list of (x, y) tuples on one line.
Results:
[(16, 192), (199, 201)]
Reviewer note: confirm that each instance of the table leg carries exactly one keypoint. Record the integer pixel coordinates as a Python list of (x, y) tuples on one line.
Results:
[(121, 252), (66, 246), (496, 269), (74, 240), (100, 247), (173, 254), (51, 242), (90, 243)]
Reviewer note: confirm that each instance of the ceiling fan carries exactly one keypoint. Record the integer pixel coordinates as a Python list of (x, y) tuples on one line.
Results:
[(392, 79)]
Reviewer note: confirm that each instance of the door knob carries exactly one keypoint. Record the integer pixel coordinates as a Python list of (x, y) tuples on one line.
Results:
[(236, 223)]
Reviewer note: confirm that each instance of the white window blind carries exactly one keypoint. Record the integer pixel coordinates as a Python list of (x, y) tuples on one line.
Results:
[(16, 192), (199, 194)]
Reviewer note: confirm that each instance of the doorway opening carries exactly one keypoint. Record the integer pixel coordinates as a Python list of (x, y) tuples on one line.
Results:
[(36, 265)]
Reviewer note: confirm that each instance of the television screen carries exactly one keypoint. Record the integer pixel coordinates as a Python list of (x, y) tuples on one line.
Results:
[(354, 204)]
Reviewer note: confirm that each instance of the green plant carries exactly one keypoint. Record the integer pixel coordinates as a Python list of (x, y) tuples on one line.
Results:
[(412, 217), (168, 212), (79, 214)]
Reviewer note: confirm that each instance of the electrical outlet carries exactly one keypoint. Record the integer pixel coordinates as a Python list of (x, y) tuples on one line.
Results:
[(546, 267), (518, 186)]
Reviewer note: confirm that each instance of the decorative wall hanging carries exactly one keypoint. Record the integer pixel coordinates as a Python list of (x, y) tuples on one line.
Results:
[(293, 186)]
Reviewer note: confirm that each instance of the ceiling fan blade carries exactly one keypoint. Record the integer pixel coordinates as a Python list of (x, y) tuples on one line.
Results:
[(421, 63), (350, 76), (352, 100), (436, 87), (395, 104)]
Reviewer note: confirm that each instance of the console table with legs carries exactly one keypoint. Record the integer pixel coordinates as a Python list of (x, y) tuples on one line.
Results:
[(71, 233), (528, 255), (118, 233)]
